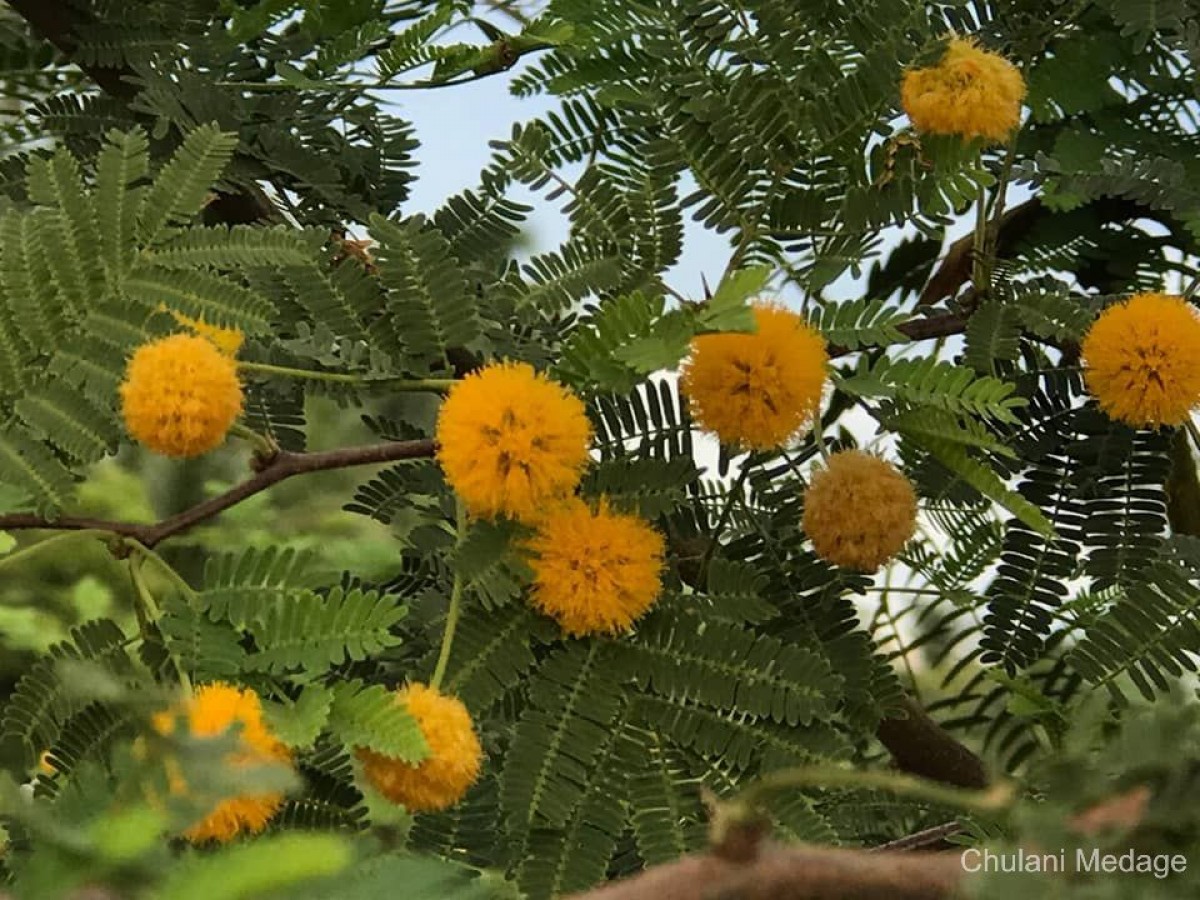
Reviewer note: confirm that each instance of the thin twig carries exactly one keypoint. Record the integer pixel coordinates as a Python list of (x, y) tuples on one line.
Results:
[(167, 569), (399, 383), (714, 540), (990, 800), (285, 465), (921, 839), (456, 592), (922, 329), (26, 552)]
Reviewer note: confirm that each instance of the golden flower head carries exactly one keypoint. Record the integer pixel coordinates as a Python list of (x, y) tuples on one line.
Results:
[(859, 511), (971, 93), (210, 712), (594, 570), (511, 440), (452, 766), (228, 340), (180, 395), (1142, 360), (756, 390)]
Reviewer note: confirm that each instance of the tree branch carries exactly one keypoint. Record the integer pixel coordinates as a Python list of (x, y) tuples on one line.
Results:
[(283, 466), (794, 873), (921, 840), (58, 23), (920, 330), (920, 746)]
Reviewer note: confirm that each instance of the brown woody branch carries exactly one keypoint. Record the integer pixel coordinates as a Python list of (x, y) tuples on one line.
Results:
[(794, 873), (282, 466), (920, 746), (921, 330), (921, 840)]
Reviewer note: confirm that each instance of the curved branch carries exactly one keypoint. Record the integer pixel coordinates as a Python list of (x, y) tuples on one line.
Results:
[(923, 329), (794, 873), (283, 466)]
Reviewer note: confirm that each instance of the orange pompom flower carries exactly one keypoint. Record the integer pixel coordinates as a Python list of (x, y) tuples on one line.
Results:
[(210, 712), (452, 766), (595, 571), (971, 93), (180, 395), (759, 389), (1142, 360), (510, 440), (859, 511)]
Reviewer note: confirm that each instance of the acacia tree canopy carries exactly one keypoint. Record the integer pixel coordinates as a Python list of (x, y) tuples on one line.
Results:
[(877, 556)]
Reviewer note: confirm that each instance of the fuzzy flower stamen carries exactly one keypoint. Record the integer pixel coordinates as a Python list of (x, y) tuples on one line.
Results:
[(595, 571), (859, 511), (971, 93), (510, 440), (1142, 360), (180, 395), (760, 389)]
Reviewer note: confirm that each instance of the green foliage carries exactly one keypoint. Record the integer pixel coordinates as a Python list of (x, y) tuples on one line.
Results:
[(314, 632), (930, 382), (1045, 606), (369, 716)]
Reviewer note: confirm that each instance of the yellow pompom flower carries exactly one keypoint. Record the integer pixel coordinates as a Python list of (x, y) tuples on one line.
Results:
[(595, 571), (210, 712), (180, 395), (452, 766), (228, 340), (859, 511), (970, 92), (756, 390), (1142, 360), (510, 440)]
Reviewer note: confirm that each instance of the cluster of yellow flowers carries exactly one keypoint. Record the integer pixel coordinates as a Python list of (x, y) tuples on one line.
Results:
[(971, 93), (182, 394), (211, 712), (1142, 360), (512, 442), (761, 389), (437, 782)]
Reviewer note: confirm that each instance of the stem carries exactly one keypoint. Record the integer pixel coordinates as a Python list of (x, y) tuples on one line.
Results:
[(1190, 290), (395, 384), (735, 490), (48, 542), (167, 569), (1193, 431), (455, 610), (819, 438), (979, 251), (992, 800), (333, 87), (150, 614), (986, 251), (149, 606), (1001, 195), (263, 445)]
